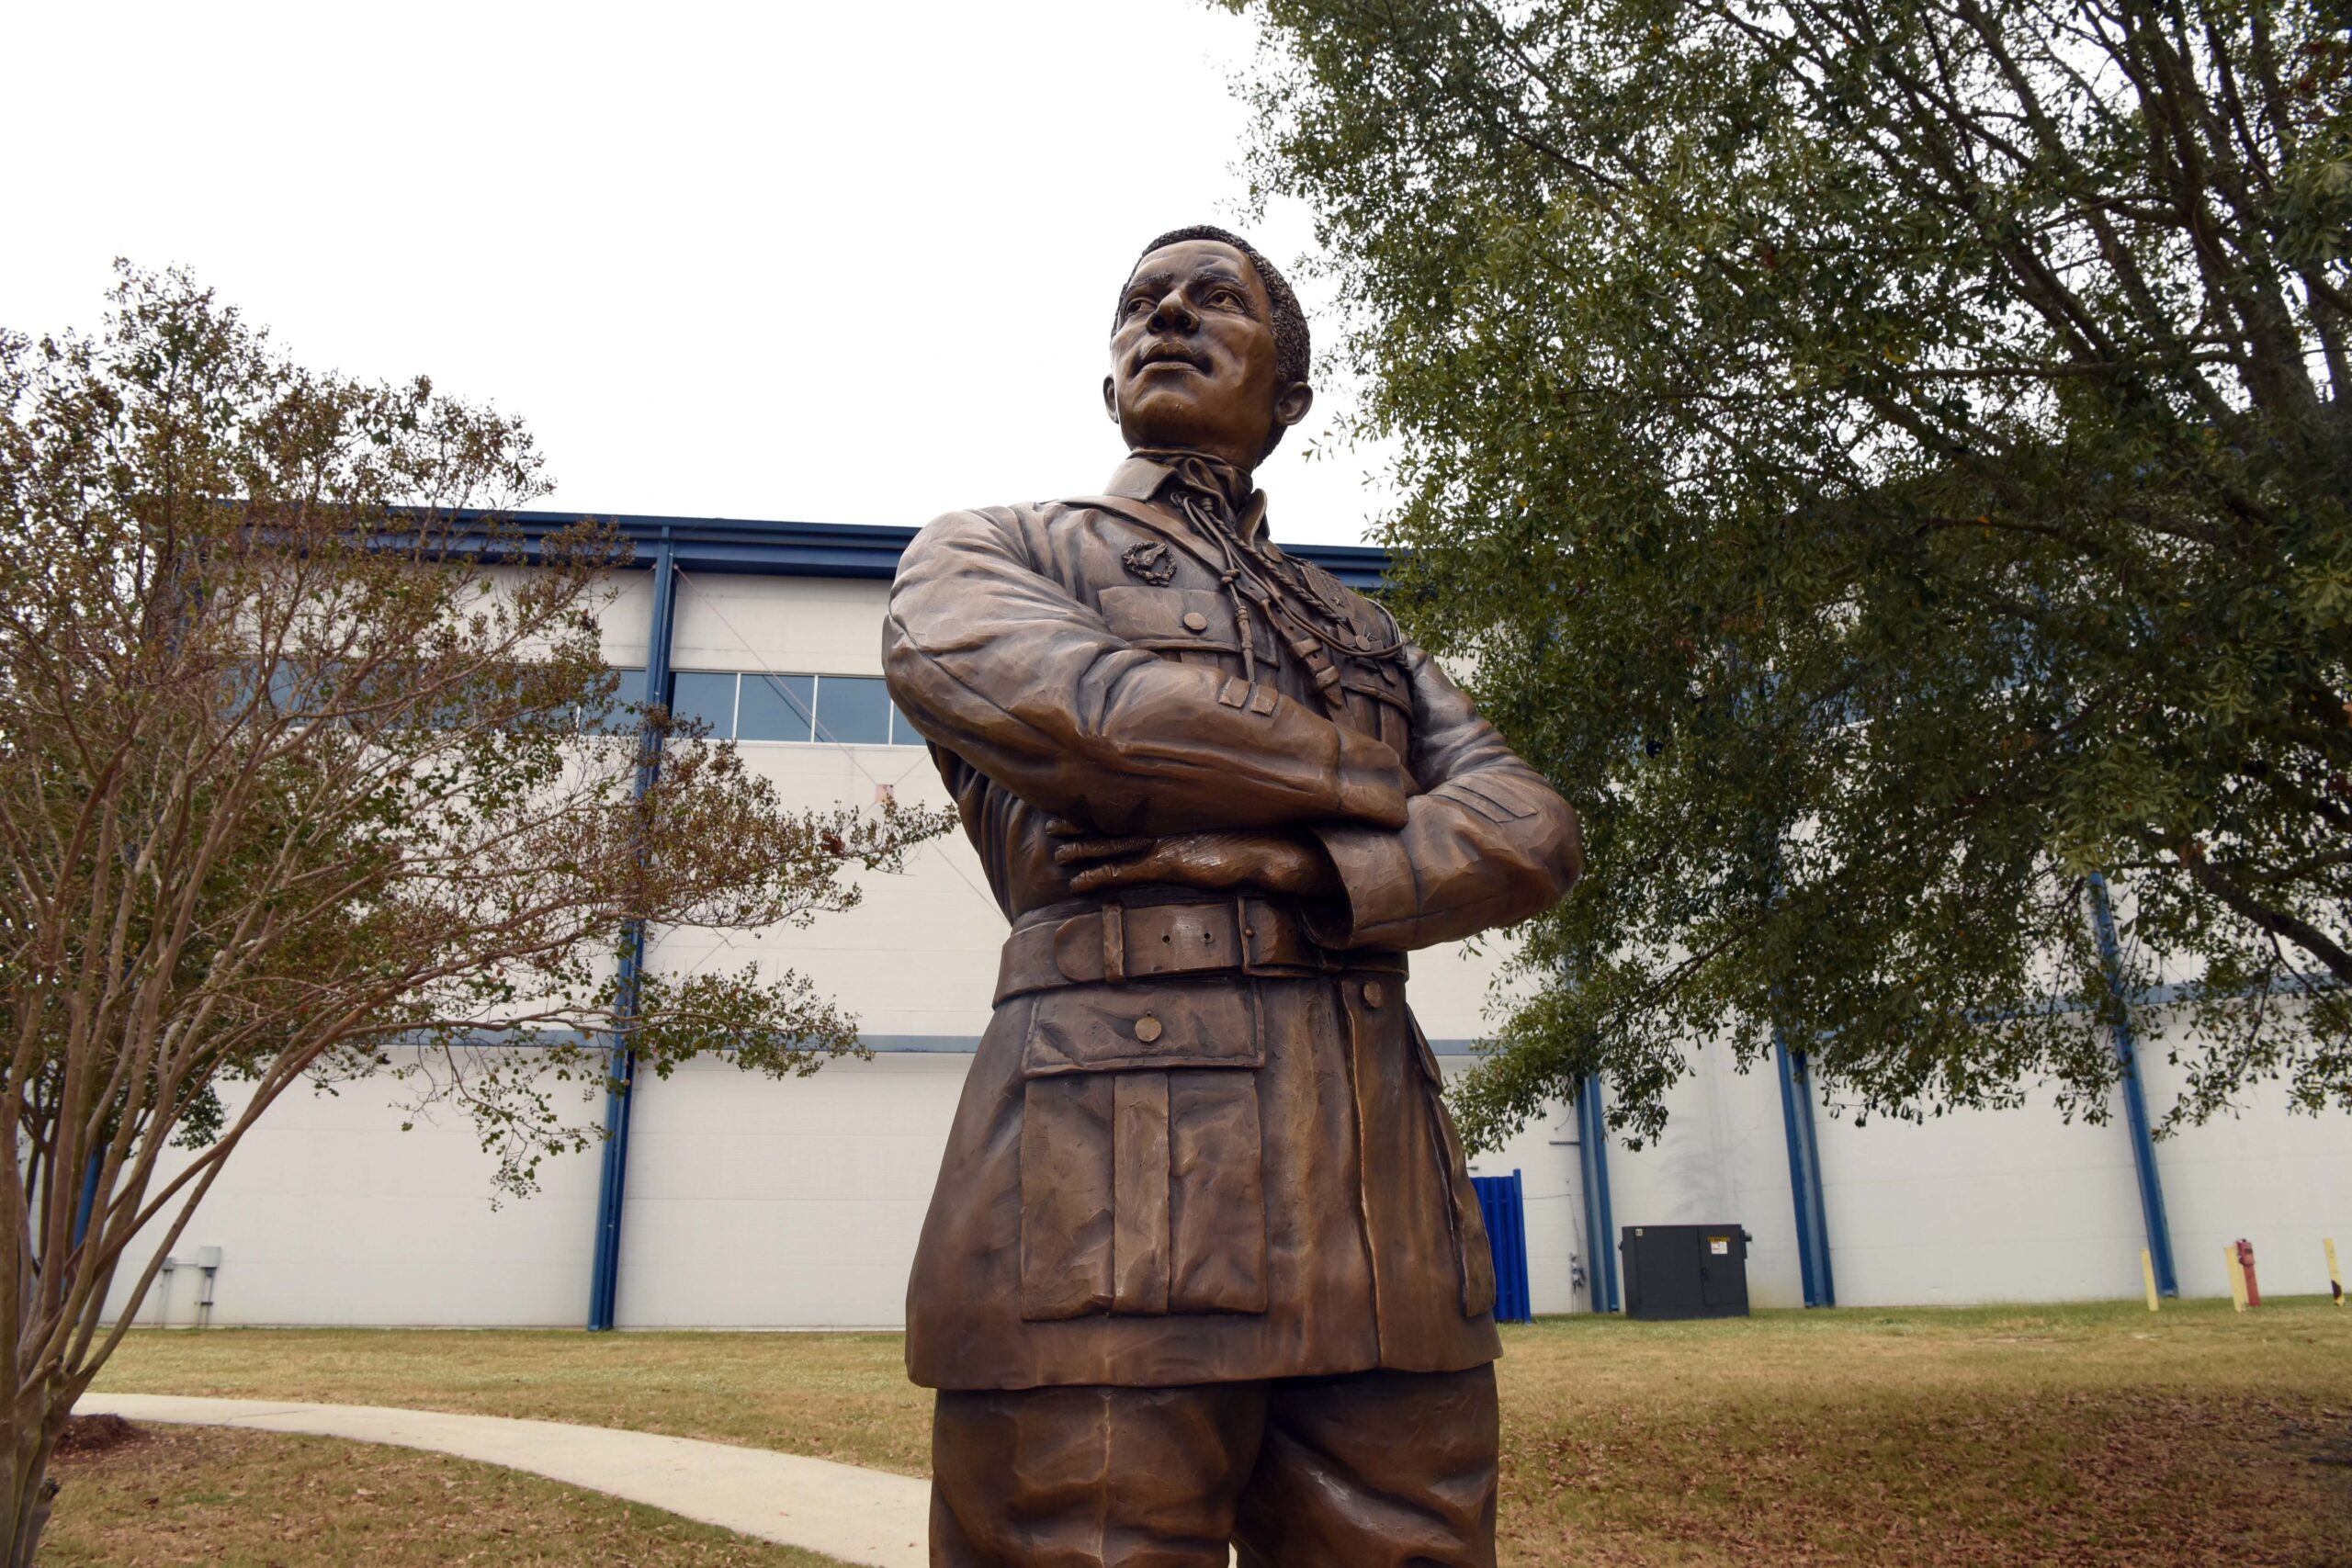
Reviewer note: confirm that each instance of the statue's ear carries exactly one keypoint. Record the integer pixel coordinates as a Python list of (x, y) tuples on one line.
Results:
[(1292, 403), (1111, 398)]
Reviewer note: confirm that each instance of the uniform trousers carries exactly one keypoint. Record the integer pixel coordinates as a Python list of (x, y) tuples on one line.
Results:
[(1372, 1470)]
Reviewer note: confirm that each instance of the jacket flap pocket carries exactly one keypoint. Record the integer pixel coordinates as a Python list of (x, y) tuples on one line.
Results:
[(1377, 682), (1172, 619), (1101, 1029)]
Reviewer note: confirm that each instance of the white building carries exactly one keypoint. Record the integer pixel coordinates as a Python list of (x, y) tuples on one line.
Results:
[(747, 1202)]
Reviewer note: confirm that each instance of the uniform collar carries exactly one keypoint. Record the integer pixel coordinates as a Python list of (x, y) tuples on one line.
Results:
[(1139, 478)]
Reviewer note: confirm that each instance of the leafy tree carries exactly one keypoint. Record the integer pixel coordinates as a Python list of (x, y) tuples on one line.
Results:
[(304, 776), (1889, 460)]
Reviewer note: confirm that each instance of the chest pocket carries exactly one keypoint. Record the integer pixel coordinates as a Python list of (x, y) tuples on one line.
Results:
[(1196, 625), (1376, 693), (1378, 701), (1178, 621), (1142, 1173)]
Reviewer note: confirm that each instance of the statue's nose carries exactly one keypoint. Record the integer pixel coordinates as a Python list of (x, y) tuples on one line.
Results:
[(1172, 314)]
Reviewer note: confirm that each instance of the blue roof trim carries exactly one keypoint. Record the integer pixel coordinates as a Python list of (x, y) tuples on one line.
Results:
[(965, 1045), (880, 1045), (762, 548), (1361, 566)]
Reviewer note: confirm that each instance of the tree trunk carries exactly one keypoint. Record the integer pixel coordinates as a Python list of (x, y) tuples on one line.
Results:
[(31, 1493)]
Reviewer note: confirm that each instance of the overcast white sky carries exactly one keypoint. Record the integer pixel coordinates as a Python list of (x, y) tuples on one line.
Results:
[(837, 262)]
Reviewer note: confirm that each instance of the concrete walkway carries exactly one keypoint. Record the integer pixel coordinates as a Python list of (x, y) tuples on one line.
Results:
[(860, 1516)]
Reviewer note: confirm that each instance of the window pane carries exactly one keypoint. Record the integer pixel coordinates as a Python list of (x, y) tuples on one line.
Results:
[(285, 685), (707, 698), (776, 707), (629, 692), (854, 710), (902, 731)]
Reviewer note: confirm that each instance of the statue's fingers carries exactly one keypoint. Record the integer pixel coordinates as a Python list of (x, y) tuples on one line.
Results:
[(1112, 873), (1080, 849)]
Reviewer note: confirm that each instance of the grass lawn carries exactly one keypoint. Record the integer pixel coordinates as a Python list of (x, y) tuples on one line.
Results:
[(184, 1495), (2084, 1434)]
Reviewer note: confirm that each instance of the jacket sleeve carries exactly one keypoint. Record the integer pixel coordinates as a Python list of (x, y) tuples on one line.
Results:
[(1488, 844), (999, 663)]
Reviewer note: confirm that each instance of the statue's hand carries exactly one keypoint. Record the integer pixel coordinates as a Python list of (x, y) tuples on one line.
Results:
[(1289, 864)]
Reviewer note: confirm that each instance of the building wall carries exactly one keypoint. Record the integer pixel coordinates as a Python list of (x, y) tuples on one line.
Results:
[(754, 1203), (1722, 1158), (2282, 1181), (329, 1214), (796, 1202), (1980, 1206)]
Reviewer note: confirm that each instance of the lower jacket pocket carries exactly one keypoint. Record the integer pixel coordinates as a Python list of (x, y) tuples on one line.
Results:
[(1471, 1243), (1142, 1188)]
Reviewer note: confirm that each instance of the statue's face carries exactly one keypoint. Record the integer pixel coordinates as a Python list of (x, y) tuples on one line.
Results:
[(1193, 356)]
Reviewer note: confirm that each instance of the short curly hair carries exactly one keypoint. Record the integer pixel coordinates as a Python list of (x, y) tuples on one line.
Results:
[(1293, 350)]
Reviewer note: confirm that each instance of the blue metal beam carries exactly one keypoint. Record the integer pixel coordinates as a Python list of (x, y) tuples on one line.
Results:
[(1600, 1218), (1804, 1175), (2135, 1098), (832, 550), (95, 1164), (604, 1289)]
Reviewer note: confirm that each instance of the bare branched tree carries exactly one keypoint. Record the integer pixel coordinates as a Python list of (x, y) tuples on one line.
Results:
[(310, 769)]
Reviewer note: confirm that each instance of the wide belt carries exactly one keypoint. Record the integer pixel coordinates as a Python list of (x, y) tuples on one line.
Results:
[(1115, 945)]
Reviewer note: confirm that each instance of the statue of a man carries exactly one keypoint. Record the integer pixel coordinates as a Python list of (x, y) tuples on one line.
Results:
[(1203, 1264)]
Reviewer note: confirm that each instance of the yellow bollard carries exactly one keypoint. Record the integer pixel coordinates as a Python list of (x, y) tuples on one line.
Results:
[(2334, 1275), (2148, 1277), (2237, 1277)]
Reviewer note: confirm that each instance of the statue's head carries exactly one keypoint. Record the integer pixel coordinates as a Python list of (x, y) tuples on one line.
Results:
[(1209, 349)]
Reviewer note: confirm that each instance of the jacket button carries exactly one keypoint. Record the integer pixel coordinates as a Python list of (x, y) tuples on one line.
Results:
[(1147, 1029), (1195, 621), (1373, 995)]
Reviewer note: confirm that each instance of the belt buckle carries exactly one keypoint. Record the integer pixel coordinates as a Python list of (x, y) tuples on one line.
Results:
[(1252, 926), (1093, 947)]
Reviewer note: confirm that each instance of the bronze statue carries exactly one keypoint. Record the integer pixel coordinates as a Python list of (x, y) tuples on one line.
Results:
[(1203, 1264)]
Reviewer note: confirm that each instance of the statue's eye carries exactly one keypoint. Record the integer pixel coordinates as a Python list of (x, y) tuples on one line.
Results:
[(1226, 297), (1138, 302)]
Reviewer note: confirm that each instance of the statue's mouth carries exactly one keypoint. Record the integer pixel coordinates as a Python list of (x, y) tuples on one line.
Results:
[(1171, 353)]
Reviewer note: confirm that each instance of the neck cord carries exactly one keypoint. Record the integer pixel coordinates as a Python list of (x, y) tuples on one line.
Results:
[(1303, 618)]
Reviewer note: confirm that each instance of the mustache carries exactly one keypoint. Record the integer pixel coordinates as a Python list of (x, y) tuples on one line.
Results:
[(1168, 351)]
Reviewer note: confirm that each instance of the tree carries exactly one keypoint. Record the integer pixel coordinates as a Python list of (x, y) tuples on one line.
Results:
[(1889, 462), (309, 771)]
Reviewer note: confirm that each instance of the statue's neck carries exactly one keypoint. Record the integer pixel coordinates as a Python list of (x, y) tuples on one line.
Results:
[(1204, 471)]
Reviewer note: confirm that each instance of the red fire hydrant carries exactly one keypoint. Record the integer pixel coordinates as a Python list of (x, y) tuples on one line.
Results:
[(2245, 1263)]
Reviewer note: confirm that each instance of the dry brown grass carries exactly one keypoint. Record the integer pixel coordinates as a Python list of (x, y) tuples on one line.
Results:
[(189, 1494), (2093, 1434)]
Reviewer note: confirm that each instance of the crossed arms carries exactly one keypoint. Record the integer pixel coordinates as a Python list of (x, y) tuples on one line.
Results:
[(995, 660)]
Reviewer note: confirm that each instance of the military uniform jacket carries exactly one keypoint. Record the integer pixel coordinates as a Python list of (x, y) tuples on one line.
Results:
[(1202, 1139)]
